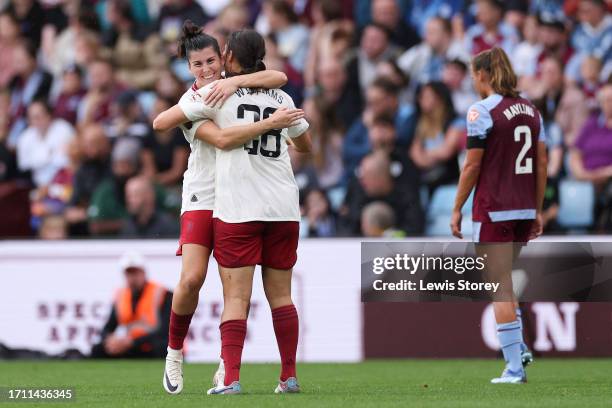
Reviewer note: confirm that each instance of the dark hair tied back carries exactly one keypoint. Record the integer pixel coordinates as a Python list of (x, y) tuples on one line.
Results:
[(193, 38)]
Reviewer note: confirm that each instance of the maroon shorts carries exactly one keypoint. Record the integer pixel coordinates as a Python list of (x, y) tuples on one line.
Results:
[(265, 243), (502, 231), (196, 228)]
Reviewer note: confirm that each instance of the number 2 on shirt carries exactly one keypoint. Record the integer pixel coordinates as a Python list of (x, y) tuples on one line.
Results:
[(521, 167)]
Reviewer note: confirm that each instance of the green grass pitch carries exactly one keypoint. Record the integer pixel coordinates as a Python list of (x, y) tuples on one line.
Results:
[(414, 383)]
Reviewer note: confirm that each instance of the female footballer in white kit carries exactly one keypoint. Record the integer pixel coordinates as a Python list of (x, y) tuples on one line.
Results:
[(196, 240), (256, 212)]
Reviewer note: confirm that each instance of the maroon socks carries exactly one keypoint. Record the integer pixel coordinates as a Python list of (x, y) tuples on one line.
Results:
[(286, 328)]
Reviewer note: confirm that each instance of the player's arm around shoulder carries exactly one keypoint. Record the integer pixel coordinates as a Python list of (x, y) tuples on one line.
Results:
[(168, 119)]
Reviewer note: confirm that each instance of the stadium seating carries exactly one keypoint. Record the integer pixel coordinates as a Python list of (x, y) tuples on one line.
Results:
[(440, 211), (576, 204)]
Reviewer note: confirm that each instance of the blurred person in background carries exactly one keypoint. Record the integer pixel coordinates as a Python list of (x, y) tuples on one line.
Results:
[(375, 182), (31, 18), (390, 70), (591, 156), (233, 17), (593, 35), (9, 40), (382, 97), (387, 13), (165, 153), (169, 86), (378, 220), (170, 21), (327, 20), (87, 49), (127, 119), (29, 83), (291, 36), (53, 227), (305, 174), (456, 77), (144, 219), (526, 52), (589, 82), (318, 220), (333, 90), (420, 12), (425, 61), (72, 92), (43, 146), (437, 138), (136, 51), (58, 50), (328, 135), (102, 90), (137, 326), (94, 167), (374, 47), (107, 206), (490, 30)]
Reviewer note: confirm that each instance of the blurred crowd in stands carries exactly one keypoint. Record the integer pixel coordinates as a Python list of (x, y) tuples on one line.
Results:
[(385, 85)]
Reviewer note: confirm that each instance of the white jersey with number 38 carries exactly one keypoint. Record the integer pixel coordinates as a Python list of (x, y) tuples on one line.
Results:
[(253, 182)]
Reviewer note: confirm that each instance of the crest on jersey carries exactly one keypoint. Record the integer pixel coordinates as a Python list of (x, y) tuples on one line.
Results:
[(473, 115)]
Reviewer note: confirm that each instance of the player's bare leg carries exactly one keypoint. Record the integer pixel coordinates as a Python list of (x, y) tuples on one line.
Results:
[(237, 288), (184, 303), (277, 286), (499, 262)]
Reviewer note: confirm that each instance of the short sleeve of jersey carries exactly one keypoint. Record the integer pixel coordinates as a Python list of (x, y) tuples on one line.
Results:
[(189, 129), (542, 135), (301, 127), (193, 107), (479, 123)]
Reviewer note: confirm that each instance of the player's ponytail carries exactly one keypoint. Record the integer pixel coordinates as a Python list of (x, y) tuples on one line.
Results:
[(249, 49), (497, 65), (193, 38)]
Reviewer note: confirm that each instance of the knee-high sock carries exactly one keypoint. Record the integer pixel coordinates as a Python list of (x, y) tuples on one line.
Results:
[(179, 326), (233, 333), (519, 317), (510, 338), (286, 328)]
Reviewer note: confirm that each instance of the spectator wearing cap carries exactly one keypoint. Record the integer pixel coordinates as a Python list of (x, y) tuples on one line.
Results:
[(71, 94), (43, 146), (144, 219), (138, 323), (425, 62), (490, 30), (387, 13), (170, 21), (516, 13), (554, 40), (136, 52)]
